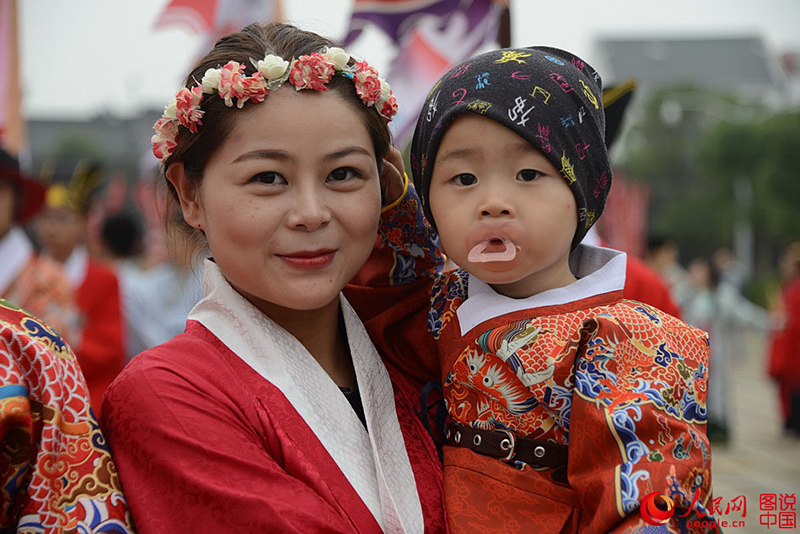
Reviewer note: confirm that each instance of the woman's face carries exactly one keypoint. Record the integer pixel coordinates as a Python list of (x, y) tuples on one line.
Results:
[(290, 201)]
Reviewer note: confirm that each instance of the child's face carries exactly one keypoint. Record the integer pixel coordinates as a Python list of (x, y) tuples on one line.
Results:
[(490, 186), (290, 201)]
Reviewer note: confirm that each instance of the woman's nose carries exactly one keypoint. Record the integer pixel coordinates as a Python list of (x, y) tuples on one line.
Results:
[(309, 210)]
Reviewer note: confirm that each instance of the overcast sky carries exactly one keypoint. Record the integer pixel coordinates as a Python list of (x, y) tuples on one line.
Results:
[(86, 57)]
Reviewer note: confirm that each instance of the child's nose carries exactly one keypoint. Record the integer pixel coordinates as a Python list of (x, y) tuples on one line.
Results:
[(496, 205)]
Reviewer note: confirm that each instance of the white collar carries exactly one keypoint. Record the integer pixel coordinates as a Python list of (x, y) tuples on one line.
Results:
[(16, 251), (375, 463), (76, 266), (599, 270)]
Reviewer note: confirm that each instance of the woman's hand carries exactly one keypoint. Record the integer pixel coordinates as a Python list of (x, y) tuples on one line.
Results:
[(392, 177)]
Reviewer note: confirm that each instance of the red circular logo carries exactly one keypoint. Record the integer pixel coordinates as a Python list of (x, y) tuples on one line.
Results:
[(657, 509)]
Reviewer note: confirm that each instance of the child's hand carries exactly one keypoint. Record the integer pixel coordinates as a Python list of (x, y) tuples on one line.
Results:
[(392, 177)]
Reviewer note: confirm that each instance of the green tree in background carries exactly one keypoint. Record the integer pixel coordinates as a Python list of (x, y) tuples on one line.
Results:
[(713, 161)]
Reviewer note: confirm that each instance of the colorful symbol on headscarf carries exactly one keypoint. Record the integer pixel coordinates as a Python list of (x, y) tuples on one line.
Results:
[(540, 91), (479, 106), (544, 137), (483, 80), (518, 76), (555, 60), (567, 168), (432, 106), (461, 70), (561, 81), (512, 55), (657, 509), (589, 95), (519, 111)]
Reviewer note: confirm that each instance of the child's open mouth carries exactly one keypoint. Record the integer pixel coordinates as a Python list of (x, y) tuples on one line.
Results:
[(493, 249)]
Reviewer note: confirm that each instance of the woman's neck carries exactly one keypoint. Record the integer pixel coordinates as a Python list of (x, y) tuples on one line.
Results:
[(322, 333)]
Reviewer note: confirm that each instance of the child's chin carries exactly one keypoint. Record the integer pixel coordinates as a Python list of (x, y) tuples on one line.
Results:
[(500, 270)]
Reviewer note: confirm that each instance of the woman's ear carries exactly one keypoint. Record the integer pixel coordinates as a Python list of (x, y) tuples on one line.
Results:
[(188, 195)]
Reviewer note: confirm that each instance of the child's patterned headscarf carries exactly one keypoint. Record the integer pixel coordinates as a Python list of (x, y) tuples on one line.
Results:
[(547, 96)]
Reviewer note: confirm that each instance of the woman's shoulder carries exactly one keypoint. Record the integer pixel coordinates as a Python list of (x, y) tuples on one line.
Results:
[(194, 364)]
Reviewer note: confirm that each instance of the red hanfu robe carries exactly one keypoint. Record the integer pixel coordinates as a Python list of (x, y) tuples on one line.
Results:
[(234, 427), (621, 383)]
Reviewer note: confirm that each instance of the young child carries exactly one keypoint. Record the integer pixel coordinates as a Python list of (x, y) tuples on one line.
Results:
[(570, 408)]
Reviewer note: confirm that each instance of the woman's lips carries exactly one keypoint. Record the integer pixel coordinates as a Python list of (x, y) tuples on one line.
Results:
[(309, 259)]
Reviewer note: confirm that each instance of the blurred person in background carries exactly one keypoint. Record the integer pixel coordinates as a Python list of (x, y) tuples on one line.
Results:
[(62, 229), (31, 281), (663, 257), (716, 306), (157, 296), (784, 361)]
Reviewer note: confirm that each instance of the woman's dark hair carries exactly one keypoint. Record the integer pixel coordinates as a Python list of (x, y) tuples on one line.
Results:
[(253, 43)]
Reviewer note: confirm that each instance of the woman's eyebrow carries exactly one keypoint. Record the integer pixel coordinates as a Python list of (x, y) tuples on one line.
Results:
[(262, 154), (347, 151)]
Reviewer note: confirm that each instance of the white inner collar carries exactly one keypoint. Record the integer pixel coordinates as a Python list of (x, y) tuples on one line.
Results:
[(375, 463), (599, 270)]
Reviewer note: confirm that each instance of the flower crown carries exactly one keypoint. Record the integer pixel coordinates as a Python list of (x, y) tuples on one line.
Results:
[(312, 71)]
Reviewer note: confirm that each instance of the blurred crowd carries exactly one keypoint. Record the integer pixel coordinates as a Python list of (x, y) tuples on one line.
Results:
[(92, 279), (710, 293)]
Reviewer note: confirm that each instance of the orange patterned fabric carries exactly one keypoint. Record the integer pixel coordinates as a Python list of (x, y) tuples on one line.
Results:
[(56, 472)]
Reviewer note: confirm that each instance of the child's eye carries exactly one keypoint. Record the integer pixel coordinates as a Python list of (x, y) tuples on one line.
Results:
[(343, 173), (465, 179), (269, 178), (527, 175)]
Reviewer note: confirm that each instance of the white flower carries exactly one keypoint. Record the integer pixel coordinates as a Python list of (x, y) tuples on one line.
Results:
[(210, 80), (386, 91), (171, 108), (338, 56), (272, 67)]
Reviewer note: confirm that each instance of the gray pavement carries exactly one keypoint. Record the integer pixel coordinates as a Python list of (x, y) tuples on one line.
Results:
[(759, 458)]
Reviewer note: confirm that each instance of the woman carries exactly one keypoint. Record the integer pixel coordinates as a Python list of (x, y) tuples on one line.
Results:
[(273, 411)]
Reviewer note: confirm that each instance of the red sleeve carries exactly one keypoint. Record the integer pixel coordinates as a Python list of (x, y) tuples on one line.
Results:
[(196, 455)]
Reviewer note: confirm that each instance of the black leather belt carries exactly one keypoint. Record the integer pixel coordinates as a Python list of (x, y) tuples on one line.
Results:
[(506, 446)]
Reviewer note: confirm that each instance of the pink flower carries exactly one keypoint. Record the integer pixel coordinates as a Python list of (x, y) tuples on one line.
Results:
[(230, 82), (311, 72), (164, 140), (187, 107), (253, 88), (389, 108), (367, 82)]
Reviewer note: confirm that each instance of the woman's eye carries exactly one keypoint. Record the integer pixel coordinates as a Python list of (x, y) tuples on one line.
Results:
[(343, 173), (465, 179), (268, 178), (527, 175)]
